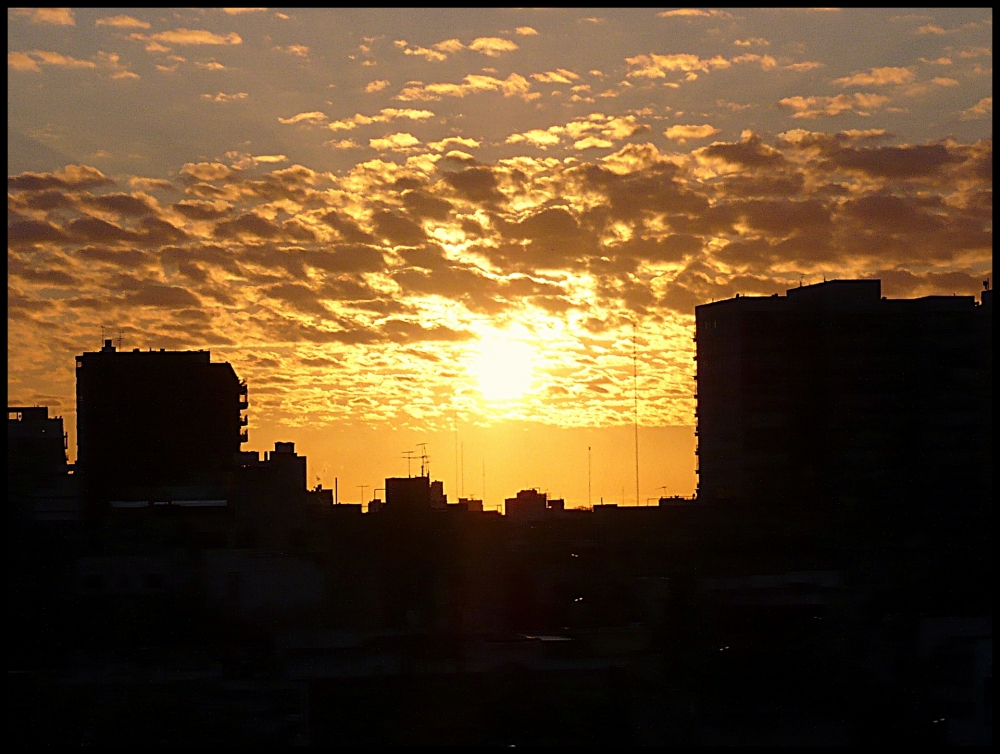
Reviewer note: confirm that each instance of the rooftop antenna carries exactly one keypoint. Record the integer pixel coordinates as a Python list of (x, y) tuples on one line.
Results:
[(462, 493), (119, 339), (408, 455), (456, 450), (484, 480), (424, 459), (102, 335), (635, 411), (363, 488)]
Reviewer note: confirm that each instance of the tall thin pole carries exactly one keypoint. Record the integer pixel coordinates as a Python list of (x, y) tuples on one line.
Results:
[(588, 476), (635, 411), (484, 481), (463, 469), (456, 454)]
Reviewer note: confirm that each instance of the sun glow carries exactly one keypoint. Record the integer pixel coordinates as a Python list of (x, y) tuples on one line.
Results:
[(503, 367)]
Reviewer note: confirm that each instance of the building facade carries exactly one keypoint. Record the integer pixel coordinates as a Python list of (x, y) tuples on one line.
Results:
[(162, 424), (833, 392)]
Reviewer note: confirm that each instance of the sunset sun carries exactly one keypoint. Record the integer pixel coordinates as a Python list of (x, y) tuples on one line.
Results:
[(503, 368)]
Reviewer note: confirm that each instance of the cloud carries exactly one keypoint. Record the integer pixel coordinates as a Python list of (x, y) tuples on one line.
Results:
[(877, 77), (397, 142), (538, 137), (514, 85), (752, 41), (694, 13), (492, 46), (224, 98), (207, 171), (191, 37), (655, 66), (69, 177), (525, 31), (342, 144), (558, 76), (21, 61), (930, 29), (592, 142), (376, 86), (54, 16), (767, 62), (384, 116), (312, 118), (816, 107), (982, 109), (122, 22), (681, 133), (460, 141), (301, 51), (449, 46)]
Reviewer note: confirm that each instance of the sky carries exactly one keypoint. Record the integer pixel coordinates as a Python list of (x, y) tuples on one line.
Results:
[(483, 230)]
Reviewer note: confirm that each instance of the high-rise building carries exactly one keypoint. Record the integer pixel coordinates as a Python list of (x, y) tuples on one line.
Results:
[(835, 393), (156, 426)]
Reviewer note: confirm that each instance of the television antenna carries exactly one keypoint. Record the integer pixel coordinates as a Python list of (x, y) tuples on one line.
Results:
[(408, 455), (635, 411), (425, 460), (363, 487)]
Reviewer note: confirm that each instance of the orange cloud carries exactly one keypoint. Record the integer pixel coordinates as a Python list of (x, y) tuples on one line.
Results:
[(655, 66), (54, 16), (122, 22), (877, 77), (376, 86), (192, 37), (514, 85), (681, 134), (815, 107)]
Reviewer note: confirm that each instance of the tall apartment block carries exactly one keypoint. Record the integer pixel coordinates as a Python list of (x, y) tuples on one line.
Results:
[(157, 426), (834, 393)]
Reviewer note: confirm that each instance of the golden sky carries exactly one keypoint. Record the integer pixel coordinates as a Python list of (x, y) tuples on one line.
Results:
[(453, 227)]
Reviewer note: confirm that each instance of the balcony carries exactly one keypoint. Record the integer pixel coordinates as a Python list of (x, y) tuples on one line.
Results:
[(244, 437), (244, 420), (244, 404)]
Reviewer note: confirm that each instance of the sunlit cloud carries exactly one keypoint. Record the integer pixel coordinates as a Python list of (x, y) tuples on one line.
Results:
[(653, 66), (384, 116), (397, 142), (877, 77), (122, 22), (694, 13), (459, 141), (982, 109), (514, 85), (223, 97), (240, 11), (492, 46), (191, 37), (301, 51), (375, 86), (525, 31), (54, 16), (815, 107), (682, 134)]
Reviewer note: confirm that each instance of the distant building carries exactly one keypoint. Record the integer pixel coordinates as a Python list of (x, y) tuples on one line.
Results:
[(155, 424), (39, 484), (834, 392), (471, 504), (531, 505)]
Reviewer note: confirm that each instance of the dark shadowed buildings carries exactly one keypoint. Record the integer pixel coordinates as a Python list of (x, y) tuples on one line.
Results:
[(836, 393), (160, 424)]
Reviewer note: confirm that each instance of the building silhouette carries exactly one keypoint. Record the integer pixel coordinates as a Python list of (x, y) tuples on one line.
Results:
[(156, 424), (836, 393)]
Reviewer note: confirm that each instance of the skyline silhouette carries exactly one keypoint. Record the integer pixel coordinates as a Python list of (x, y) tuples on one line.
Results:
[(500, 376)]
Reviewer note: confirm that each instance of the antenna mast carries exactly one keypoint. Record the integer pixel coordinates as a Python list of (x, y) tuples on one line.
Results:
[(424, 459), (408, 455), (635, 411), (588, 476)]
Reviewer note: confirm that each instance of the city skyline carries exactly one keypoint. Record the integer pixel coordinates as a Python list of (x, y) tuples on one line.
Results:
[(373, 214)]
